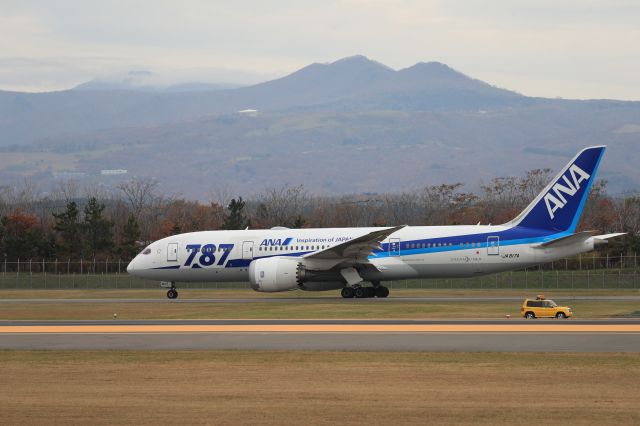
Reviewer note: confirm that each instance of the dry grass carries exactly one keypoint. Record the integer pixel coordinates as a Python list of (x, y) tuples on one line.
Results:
[(356, 309), (318, 388), (247, 293)]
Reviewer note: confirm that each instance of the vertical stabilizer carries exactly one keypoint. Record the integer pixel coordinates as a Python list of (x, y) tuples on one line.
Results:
[(559, 205)]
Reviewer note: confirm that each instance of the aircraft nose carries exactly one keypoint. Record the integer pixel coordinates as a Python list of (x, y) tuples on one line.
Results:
[(131, 266)]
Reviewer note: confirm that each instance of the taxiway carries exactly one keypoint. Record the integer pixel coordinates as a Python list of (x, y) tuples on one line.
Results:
[(618, 335)]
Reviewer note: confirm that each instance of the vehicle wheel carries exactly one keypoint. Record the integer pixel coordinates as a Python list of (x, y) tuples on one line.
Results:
[(382, 291), (360, 292), (529, 315), (561, 315), (347, 292)]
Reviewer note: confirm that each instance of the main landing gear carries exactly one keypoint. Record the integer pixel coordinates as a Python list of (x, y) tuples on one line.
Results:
[(361, 292), (172, 293)]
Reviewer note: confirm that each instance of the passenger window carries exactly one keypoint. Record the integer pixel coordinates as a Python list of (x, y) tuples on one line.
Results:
[(147, 251)]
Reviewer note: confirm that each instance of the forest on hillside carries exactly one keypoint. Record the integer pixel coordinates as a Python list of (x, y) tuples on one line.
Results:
[(76, 222)]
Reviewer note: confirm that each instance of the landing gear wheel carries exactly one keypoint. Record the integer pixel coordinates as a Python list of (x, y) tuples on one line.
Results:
[(347, 292), (172, 293), (361, 292), (381, 291)]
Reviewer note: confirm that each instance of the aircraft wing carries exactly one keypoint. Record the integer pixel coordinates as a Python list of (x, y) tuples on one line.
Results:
[(356, 250)]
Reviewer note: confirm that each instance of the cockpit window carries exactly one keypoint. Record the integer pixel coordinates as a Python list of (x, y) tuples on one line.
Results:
[(147, 251)]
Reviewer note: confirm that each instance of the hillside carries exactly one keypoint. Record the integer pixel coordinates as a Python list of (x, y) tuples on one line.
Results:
[(353, 125)]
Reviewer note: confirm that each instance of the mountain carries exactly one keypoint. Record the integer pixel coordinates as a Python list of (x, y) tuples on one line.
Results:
[(128, 85), (353, 125), (351, 84)]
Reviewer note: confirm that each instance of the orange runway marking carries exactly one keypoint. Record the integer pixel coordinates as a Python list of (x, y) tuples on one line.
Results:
[(326, 328)]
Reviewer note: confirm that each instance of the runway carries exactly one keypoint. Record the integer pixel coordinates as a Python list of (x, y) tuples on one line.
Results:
[(619, 335), (247, 300)]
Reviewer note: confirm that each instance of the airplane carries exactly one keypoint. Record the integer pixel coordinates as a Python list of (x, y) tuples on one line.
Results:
[(319, 259)]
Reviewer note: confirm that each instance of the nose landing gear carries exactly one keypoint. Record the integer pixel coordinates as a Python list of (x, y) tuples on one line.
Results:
[(172, 293)]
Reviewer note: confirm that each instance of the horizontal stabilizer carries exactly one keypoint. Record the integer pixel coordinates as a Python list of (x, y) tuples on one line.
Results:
[(603, 239), (568, 239)]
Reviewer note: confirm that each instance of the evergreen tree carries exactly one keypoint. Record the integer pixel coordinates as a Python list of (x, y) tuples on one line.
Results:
[(236, 219), (70, 229), (131, 234), (3, 251), (298, 222), (97, 228)]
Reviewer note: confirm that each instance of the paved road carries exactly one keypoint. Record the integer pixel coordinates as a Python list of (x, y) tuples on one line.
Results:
[(233, 322), (244, 300), (356, 335)]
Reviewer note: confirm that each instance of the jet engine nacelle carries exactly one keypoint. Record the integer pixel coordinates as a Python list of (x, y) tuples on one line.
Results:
[(274, 274)]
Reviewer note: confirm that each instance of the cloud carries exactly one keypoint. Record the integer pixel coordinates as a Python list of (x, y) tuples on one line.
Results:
[(572, 48)]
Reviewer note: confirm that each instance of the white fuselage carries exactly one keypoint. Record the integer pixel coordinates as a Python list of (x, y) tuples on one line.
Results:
[(411, 252)]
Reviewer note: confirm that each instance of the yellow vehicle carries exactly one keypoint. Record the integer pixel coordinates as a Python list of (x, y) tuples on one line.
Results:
[(543, 308)]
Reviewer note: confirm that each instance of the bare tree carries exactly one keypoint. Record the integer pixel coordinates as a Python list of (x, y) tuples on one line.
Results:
[(283, 206), (139, 194), (437, 201), (144, 203), (533, 183), (221, 195), (23, 196), (65, 190), (403, 209), (99, 191)]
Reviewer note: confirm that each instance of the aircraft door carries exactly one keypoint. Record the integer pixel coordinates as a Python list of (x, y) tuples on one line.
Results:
[(493, 246), (247, 250), (172, 252), (394, 246)]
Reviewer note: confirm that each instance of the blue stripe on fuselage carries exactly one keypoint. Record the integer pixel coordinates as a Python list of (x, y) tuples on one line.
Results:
[(508, 237)]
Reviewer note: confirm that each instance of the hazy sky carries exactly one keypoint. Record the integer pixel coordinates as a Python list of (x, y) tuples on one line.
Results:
[(573, 48)]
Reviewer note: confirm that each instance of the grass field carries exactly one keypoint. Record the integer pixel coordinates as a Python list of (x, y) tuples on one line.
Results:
[(326, 305), (318, 388), (187, 293)]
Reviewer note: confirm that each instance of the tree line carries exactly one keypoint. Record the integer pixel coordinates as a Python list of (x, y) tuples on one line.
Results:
[(69, 223)]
